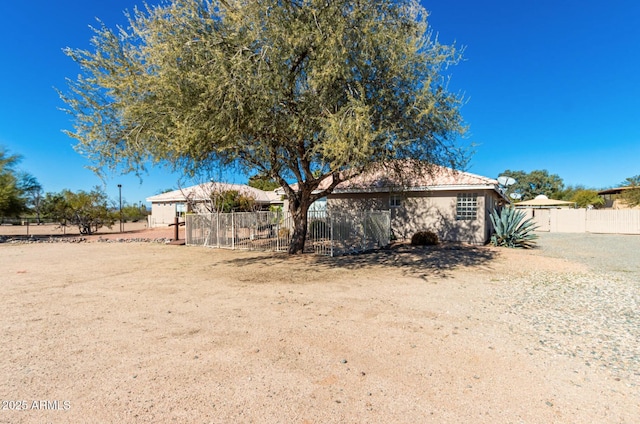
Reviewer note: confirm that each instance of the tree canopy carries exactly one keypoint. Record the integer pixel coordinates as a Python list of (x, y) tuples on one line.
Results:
[(11, 202), (263, 183), (585, 198), (528, 185), (17, 189), (88, 210), (232, 201), (300, 91)]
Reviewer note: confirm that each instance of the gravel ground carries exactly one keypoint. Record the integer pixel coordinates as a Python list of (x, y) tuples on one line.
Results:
[(605, 253), (143, 332), (591, 315)]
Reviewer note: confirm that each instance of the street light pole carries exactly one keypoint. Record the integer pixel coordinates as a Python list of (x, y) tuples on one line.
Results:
[(120, 193)]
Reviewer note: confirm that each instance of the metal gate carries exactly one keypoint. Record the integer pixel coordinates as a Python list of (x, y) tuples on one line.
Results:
[(327, 233)]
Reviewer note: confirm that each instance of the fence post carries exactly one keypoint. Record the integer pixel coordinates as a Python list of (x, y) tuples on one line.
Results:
[(187, 226), (217, 229), (278, 230), (233, 232), (331, 235), (364, 231)]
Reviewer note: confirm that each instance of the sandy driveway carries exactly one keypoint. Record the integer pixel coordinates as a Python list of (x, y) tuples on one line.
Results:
[(130, 230), (143, 332)]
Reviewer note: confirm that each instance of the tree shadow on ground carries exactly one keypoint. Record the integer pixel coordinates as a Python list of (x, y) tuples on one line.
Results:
[(417, 261)]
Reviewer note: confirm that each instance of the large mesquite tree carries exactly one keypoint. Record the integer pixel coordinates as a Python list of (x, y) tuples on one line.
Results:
[(301, 91)]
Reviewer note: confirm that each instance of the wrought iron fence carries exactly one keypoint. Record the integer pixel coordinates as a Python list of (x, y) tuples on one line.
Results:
[(331, 234)]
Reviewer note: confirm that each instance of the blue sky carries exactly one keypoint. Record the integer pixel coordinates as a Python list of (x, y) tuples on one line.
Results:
[(549, 85)]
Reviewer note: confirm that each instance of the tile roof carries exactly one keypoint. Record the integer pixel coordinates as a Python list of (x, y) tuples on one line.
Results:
[(203, 192), (615, 190), (435, 178), (384, 179)]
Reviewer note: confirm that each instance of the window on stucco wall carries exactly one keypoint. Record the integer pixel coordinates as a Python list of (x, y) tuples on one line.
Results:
[(395, 201), (466, 206)]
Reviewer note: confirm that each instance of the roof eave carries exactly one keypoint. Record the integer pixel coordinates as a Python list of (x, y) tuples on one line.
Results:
[(452, 187)]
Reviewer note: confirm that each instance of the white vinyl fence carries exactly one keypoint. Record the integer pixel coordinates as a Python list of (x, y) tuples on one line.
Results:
[(607, 221), (327, 233)]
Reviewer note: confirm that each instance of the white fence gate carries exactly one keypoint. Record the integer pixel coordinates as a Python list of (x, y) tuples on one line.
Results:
[(327, 233), (542, 218)]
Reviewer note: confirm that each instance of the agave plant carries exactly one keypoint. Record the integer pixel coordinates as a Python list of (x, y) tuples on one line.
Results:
[(511, 229)]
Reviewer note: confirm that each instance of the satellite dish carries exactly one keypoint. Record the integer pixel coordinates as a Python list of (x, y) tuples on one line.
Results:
[(516, 196), (505, 181)]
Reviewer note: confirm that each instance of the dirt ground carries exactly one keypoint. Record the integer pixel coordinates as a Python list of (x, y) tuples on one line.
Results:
[(130, 230), (153, 333)]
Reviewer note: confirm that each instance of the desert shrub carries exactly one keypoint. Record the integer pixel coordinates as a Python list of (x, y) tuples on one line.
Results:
[(511, 229), (424, 238)]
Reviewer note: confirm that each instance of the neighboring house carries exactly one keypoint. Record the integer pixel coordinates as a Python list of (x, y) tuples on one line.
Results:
[(166, 206), (454, 204), (612, 198)]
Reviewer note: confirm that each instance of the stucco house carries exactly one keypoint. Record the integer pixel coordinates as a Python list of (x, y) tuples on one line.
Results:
[(454, 204), (166, 206), (612, 198)]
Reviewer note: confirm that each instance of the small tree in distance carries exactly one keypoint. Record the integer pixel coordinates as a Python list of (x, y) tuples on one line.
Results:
[(32, 190), (54, 207), (304, 92), (232, 201), (585, 198), (89, 211), (17, 189), (133, 212)]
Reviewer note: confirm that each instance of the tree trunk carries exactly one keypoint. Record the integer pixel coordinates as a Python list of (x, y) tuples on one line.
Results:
[(299, 237)]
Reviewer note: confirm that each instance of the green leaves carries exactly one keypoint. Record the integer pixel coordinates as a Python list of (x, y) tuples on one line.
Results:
[(585, 198), (298, 91), (284, 89), (511, 229), (15, 186), (232, 201), (88, 210), (531, 184)]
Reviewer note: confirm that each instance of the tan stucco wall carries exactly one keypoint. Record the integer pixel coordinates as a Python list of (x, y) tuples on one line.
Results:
[(434, 211), (162, 214)]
